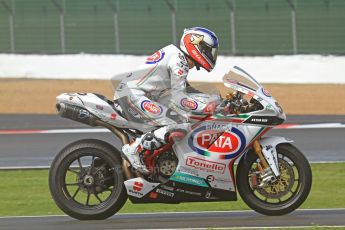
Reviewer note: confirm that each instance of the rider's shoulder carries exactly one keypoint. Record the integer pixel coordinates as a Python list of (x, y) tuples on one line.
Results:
[(175, 56)]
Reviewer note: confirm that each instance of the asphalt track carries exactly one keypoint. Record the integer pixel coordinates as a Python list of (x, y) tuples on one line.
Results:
[(195, 220), (28, 150)]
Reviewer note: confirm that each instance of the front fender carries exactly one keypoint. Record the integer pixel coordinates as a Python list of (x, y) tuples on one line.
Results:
[(269, 150)]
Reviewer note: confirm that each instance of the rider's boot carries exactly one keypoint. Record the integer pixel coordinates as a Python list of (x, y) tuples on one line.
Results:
[(148, 141), (132, 152)]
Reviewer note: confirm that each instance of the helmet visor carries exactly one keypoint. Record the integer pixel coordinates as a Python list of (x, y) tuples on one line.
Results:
[(209, 52)]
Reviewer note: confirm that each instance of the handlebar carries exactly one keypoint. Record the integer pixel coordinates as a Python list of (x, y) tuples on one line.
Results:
[(235, 103)]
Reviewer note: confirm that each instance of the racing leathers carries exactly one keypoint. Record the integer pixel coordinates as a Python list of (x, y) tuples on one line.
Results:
[(158, 94)]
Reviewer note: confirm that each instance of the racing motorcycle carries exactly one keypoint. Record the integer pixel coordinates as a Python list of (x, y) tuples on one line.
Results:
[(92, 179)]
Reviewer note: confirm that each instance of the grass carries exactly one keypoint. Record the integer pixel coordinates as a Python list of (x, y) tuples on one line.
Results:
[(26, 192)]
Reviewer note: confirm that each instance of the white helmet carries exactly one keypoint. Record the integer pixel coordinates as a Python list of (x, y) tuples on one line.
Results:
[(201, 45)]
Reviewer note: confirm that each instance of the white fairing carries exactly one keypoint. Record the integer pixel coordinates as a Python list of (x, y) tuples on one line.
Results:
[(99, 108), (139, 187), (269, 150), (214, 164)]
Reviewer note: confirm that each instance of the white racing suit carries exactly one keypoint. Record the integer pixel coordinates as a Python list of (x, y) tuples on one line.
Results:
[(158, 94)]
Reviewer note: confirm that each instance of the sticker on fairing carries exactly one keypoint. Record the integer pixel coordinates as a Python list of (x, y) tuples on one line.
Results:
[(265, 92), (188, 179), (189, 103), (215, 143), (151, 107), (156, 57)]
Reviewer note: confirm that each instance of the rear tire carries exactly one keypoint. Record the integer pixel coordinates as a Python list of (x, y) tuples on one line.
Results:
[(287, 194), (86, 180)]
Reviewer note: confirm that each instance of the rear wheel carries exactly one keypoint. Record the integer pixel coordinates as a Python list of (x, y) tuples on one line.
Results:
[(86, 180), (284, 195)]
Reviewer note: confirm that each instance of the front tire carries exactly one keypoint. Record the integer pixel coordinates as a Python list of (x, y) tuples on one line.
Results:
[(86, 180), (283, 196)]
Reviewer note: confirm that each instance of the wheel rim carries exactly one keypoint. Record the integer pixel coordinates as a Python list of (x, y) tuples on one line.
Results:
[(89, 181), (281, 191)]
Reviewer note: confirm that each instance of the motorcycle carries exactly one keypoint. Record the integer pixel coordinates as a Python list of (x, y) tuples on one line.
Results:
[(92, 179)]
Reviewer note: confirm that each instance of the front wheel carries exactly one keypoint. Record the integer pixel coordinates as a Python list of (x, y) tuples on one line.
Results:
[(284, 195), (86, 180)]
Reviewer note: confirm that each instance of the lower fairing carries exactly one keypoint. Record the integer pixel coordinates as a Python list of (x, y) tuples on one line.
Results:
[(174, 192)]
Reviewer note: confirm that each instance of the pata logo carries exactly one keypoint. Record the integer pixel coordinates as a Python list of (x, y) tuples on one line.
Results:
[(151, 107), (189, 103)]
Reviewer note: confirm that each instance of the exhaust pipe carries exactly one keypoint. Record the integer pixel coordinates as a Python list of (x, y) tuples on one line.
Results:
[(79, 114), (76, 113)]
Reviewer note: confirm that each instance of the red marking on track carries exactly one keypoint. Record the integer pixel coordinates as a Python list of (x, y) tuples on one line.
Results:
[(285, 126)]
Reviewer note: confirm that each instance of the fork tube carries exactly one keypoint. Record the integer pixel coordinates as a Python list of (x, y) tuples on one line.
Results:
[(257, 149)]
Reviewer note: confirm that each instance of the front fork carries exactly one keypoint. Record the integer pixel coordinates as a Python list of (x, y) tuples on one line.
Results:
[(268, 165)]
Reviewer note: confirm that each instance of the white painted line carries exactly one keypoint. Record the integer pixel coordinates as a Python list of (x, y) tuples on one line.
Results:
[(23, 167), (316, 126), (168, 213), (250, 227), (57, 131), (54, 131)]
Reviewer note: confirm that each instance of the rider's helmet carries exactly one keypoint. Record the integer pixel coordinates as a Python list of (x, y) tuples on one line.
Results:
[(201, 45)]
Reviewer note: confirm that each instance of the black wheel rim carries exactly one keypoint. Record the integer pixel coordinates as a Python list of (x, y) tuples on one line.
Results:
[(89, 180)]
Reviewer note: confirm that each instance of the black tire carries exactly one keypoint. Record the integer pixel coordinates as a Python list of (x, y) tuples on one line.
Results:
[(255, 197), (102, 177)]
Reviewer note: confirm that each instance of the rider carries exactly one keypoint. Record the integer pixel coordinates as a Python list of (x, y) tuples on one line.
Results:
[(142, 93)]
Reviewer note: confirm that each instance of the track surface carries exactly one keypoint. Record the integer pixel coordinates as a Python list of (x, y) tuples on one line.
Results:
[(40, 149), (181, 220)]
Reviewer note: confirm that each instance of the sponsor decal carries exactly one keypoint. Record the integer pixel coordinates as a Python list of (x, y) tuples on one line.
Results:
[(188, 192), (153, 195), (211, 178), (189, 103), (136, 189), (165, 193), (180, 72), (167, 188), (156, 57), (83, 114), (188, 179), (113, 116), (201, 60), (182, 58), (210, 142), (265, 92), (206, 165), (210, 107), (151, 107), (138, 186), (270, 107), (188, 170)]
